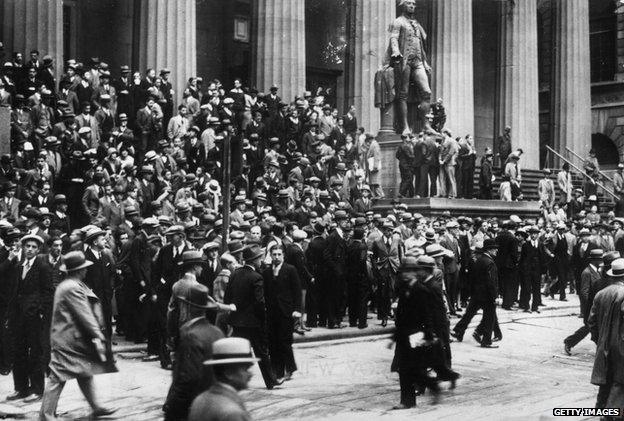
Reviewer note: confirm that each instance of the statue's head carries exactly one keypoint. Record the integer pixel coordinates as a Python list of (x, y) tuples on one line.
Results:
[(407, 6)]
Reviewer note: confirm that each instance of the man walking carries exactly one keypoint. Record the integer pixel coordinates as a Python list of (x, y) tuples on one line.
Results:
[(283, 302), (77, 339)]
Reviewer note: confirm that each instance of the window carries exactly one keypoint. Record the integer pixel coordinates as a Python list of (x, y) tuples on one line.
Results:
[(602, 40)]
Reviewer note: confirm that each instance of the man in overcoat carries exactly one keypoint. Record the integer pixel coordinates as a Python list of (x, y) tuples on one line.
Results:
[(77, 339)]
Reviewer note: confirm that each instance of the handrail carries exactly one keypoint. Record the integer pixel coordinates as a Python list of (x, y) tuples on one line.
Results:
[(602, 186), (582, 160)]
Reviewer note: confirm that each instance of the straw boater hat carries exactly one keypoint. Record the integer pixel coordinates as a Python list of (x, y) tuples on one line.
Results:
[(231, 351), (617, 269)]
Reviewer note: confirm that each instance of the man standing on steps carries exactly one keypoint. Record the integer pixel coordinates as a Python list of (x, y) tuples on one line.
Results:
[(504, 146)]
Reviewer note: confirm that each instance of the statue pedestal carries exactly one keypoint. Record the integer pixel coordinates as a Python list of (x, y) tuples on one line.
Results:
[(388, 141)]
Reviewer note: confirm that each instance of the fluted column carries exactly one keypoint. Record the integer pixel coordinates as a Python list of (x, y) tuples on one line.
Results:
[(453, 63), (517, 92), (570, 88), (167, 39), (280, 54), (372, 18), (34, 24)]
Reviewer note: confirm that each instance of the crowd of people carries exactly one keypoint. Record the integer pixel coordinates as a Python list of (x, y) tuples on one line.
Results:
[(112, 194)]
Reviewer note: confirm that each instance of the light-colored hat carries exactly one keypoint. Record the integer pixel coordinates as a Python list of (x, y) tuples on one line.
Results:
[(231, 351), (617, 268)]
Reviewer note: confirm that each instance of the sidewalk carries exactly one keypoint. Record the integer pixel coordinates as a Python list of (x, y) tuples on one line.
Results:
[(374, 328)]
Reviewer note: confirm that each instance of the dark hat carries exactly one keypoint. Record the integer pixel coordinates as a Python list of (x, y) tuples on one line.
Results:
[(130, 210), (73, 261), (235, 246), (319, 228), (192, 257), (252, 252), (489, 244), (197, 296)]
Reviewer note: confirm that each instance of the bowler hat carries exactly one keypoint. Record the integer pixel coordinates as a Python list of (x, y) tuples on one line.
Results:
[(489, 244), (73, 261)]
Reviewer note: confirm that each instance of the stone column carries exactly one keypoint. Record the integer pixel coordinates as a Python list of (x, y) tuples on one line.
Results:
[(167, 40), (452, 63), (280, 52), (372, 18), (570, 87), (517, 102), (34, 24)]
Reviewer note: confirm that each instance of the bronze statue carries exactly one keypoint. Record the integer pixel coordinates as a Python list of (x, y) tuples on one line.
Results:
[(406, 53)]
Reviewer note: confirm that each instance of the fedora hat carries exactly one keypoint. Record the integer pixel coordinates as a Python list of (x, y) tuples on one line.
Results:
[(409, 263), (192, 257), (74, 260), (231, 351), (435, 250), (426, 262), (94, 233), (252, 252), (617, 268), (198, 297), (235, 246)]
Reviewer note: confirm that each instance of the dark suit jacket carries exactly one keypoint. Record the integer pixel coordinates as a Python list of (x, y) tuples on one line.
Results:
[(190, 376), (334, 255), (34, 294), (294, 255), (246, 291), (507, 250), (485, 279), (209, 274), (100, 277), (283, 293), (167, 269)]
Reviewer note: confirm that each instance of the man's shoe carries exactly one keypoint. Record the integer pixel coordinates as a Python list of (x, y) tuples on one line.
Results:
[(563, 299), (103, 412), (567, 349), (400, 407), (496, 338), (476, 337), (288, 376), (16, 396), (33, 397), (489, 346), (457, 336), (362, 327), (149, 358)]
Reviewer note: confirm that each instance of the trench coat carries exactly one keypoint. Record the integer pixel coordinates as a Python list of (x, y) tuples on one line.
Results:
[(76, 320)]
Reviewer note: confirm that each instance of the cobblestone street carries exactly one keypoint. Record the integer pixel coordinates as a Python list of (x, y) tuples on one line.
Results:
[(350, 379)]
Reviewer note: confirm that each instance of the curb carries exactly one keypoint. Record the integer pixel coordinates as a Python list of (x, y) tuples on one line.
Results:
[(351, 333)]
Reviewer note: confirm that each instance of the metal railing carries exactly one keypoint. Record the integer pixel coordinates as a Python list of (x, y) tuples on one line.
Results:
[(602, 174), (602, 186)]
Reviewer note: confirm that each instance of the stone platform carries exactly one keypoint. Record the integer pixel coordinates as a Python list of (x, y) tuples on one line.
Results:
[(435, 206)]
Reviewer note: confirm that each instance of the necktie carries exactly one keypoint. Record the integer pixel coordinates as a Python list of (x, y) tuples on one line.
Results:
[(175, 252), (26, 269)]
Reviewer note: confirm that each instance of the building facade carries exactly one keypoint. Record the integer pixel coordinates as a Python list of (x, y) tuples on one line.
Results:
[(553, 70)]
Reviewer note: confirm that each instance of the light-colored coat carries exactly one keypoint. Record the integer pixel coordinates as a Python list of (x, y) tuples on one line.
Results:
[(374, 173), (564, 180), (220, 402), (76, 320)]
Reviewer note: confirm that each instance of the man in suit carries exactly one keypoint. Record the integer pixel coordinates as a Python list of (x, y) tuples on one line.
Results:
[(31, 295), (590, 275), (483, 296), (165, 274), (485, 176), (213, 265), (581, 253), (9, 204), (507, 261), (448, 159), (357, 279), (452, 264), (100, 274), (332, 290), (283, 302), (316, 312), (196, 339), (530, 271), (91, 197), (87, 120), (148, 189), (294, 255), (246, 291), (561, 261), (110, 209), (387, 253), (350, 121)]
